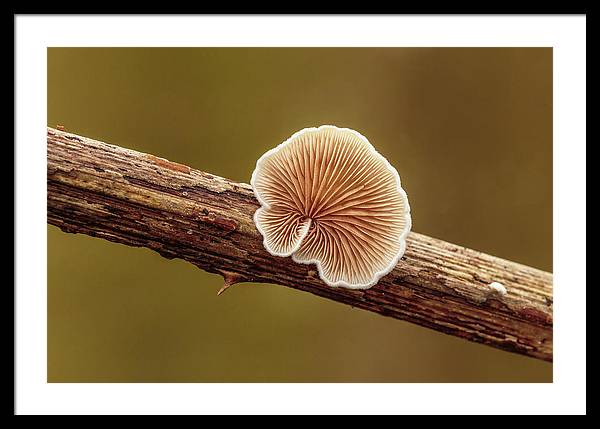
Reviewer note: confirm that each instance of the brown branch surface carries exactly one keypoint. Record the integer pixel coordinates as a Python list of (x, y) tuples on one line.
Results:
[(142, 200)]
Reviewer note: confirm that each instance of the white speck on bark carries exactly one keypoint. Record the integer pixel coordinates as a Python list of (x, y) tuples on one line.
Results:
[(498, 288)]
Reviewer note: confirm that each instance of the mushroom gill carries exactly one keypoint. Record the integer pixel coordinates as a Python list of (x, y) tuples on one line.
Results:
[(327, 197)]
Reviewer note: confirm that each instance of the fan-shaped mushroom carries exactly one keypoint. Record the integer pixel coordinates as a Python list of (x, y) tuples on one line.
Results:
[(329, 198)]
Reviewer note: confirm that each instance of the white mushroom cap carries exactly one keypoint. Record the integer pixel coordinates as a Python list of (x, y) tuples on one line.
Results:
[(329, 198)]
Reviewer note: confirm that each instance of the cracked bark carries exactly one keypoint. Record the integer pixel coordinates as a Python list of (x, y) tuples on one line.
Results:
[(139, 199)]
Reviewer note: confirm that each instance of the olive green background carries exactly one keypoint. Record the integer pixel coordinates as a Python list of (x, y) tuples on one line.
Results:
[(469, 131)]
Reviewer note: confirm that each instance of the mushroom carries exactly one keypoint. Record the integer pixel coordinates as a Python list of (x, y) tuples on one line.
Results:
[(329, 198)]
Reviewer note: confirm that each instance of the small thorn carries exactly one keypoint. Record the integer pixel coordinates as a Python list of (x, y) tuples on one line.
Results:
[(223, 289), (230, 279)]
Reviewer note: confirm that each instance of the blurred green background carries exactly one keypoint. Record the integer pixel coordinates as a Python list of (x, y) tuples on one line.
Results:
[(469, 130)]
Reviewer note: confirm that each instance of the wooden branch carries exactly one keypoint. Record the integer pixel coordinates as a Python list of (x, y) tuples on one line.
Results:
[(141, 200)]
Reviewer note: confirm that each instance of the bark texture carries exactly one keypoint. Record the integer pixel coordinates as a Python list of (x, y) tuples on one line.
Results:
[(139, 199)]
